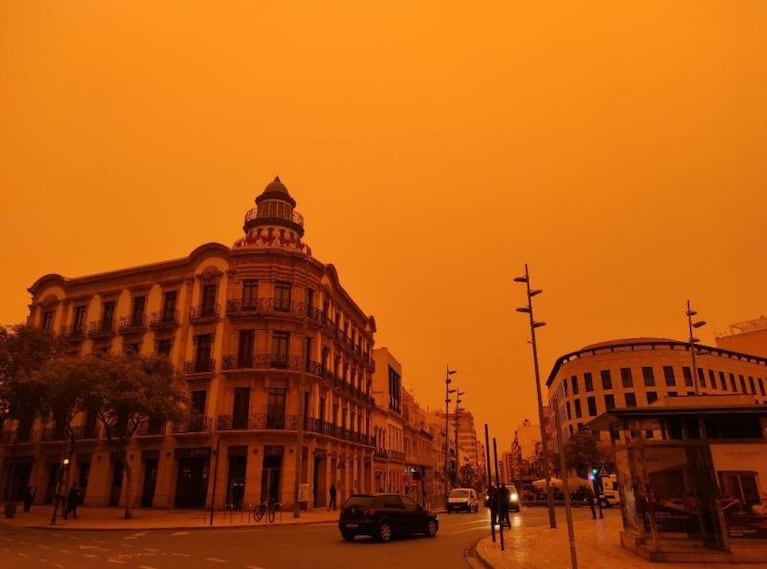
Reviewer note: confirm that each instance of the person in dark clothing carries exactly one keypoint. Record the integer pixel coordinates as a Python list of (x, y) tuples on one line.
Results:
[(492, 503), (590, 498), (73, 499), (332, 504), (504, 496)]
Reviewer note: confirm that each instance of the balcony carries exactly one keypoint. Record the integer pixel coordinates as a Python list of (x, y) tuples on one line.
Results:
[(101, 329), (164, 320), (150, 428), (85, 432), (196, 424), (204, 313), (136, 324), (73, 333), (52, 434), (261, 361), (260, 306), (200, 365)]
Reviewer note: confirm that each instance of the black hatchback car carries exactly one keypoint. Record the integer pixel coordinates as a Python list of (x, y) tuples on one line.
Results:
[(384, 516)]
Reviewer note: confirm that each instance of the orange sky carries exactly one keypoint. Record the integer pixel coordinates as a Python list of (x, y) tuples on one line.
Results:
[(433, 147)]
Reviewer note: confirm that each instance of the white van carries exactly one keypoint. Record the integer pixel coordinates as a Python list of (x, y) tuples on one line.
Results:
[(462, 499)]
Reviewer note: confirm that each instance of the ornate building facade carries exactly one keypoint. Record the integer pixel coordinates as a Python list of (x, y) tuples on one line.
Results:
[(264, 333)]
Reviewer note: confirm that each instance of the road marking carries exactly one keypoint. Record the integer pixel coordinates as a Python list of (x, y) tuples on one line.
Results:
[(216, 560), (59, 566), (182, 554), (65, 551), (96, 547), (253, 567), (146, 567), (21, 554), (89, 555), (116, 561), (151, 549), (180, 533)]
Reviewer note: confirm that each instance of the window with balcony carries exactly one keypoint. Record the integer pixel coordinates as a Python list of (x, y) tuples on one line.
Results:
[(249, 294), (199, 399), (240, 407), (108, 315), (169, 306), (627, 380), (245, 348), (668, 375), (202, 362), (282, 296), (607, 382), (280, 343), (139, 307), (164, 347), (47, 322), (588, 382), (208, 304), (275, 408), (78, 323)]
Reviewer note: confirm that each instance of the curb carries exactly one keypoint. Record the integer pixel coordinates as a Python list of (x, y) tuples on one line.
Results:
[(48, 527)]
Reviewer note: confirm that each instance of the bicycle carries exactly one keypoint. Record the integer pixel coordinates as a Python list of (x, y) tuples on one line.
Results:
[(268, 508)]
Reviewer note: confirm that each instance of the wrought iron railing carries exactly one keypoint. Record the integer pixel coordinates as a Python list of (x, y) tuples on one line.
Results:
[(195, 424), (204, 312), (164, 319), (200, 365), (133, 324)]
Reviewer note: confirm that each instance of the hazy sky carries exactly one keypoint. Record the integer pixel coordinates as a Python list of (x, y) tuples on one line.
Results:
[(434, 148)]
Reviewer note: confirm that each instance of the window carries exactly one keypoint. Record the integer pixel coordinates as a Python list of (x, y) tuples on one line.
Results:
[(626, 379), (131, 349), (208, 304), (741, 486), (569, 413), (574, 380), (652, 397), (198, 402), (648, 376), (249, 294), (701, 377), (742, 384), (712, 378), (139, 306), (578, 411), (309, 301), (245, 348), (282, 296), (275, 408), (108, 315), (687, 376), (164, 347), (732, 382), (169, 306), (609, 402), (591, 403), (202, 362), (672, 394), (47, 323), (588, 382), (631, 400), (668, 374), (280, 342), (607, 382), (240, 407), (761, 386), (79, 319), (722, 381)]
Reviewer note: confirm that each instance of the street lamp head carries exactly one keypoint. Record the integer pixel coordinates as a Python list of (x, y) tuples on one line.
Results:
[(538, 324), (691, 313), (520, 279), (451, 371), (524, 309), (699, 324), (535, 292), (65, 462), (694, 340)]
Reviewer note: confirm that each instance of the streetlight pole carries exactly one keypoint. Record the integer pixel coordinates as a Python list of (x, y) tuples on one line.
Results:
[(458, 395), (544, 445), (448, 391), (693, 340)]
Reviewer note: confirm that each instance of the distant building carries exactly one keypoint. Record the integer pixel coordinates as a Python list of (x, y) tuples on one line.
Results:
[(748, 337), (636, 372)]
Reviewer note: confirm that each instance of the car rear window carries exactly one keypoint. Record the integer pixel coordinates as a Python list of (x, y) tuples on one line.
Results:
[(459, 493), (364, 501)]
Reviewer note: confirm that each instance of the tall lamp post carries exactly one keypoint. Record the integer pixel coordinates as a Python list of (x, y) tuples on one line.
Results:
[(544, 445), (693, 340), (448, 391), (458, 395)]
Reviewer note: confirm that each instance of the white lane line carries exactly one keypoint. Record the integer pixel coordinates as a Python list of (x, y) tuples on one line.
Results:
[(151, 549), (116, 561), (59, 566), (181, 554), (89, 555), (216, 560), (180, 533), (253, 567), (146, 567), (65, 551), (21, 554)]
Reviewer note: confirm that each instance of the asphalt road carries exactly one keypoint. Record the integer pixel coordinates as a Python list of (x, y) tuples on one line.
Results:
[(307, 546)]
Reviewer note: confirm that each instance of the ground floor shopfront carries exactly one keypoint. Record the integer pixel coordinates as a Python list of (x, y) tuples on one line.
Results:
[(196, 472)]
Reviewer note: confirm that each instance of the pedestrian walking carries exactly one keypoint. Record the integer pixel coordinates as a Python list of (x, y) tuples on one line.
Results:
[(492, 503), (73, 499), (504, 498), (332, 503), (590, 498)]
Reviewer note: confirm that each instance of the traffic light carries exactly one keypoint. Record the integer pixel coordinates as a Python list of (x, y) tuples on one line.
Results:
[(594, 471)]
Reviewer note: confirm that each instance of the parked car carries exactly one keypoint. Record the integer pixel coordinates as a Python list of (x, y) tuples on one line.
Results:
[(383, 516), (462, 500)]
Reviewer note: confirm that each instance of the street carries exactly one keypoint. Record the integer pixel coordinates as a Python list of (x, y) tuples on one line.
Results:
[(263, 547)]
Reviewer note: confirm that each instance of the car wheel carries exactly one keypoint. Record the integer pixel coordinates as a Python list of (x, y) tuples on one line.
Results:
[(347, 536), (431, 528), (384, 531)]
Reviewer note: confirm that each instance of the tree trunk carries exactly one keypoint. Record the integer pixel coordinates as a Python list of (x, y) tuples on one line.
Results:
[(128, 477)]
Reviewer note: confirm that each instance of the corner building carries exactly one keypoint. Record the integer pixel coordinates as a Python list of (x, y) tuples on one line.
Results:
[(259, 330), (637, 372)]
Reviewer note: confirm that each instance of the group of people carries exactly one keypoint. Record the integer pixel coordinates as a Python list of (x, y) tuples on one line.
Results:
[(498, 498)]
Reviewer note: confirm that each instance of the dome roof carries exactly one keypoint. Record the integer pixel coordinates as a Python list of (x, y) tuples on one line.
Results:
[(276, 186), (276, 190)]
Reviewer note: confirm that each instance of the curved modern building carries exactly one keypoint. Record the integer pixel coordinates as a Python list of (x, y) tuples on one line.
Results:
[(261, 330), (636, 372)]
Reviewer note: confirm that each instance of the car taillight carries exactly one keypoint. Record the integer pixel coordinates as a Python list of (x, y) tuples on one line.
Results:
[(369, 512)]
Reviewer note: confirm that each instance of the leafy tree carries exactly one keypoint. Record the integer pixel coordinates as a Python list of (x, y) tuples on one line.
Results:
[(126, 391), (583, 451), (24, 350), (467, 477)]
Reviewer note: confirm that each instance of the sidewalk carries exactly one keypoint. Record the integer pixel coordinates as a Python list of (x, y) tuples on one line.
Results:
[(597, 546), (90, 518)]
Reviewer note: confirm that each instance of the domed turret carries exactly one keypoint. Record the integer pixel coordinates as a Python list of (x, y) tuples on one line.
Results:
[(274, 222)]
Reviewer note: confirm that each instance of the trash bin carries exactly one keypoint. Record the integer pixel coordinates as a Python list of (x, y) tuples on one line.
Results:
[(10, 509)]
